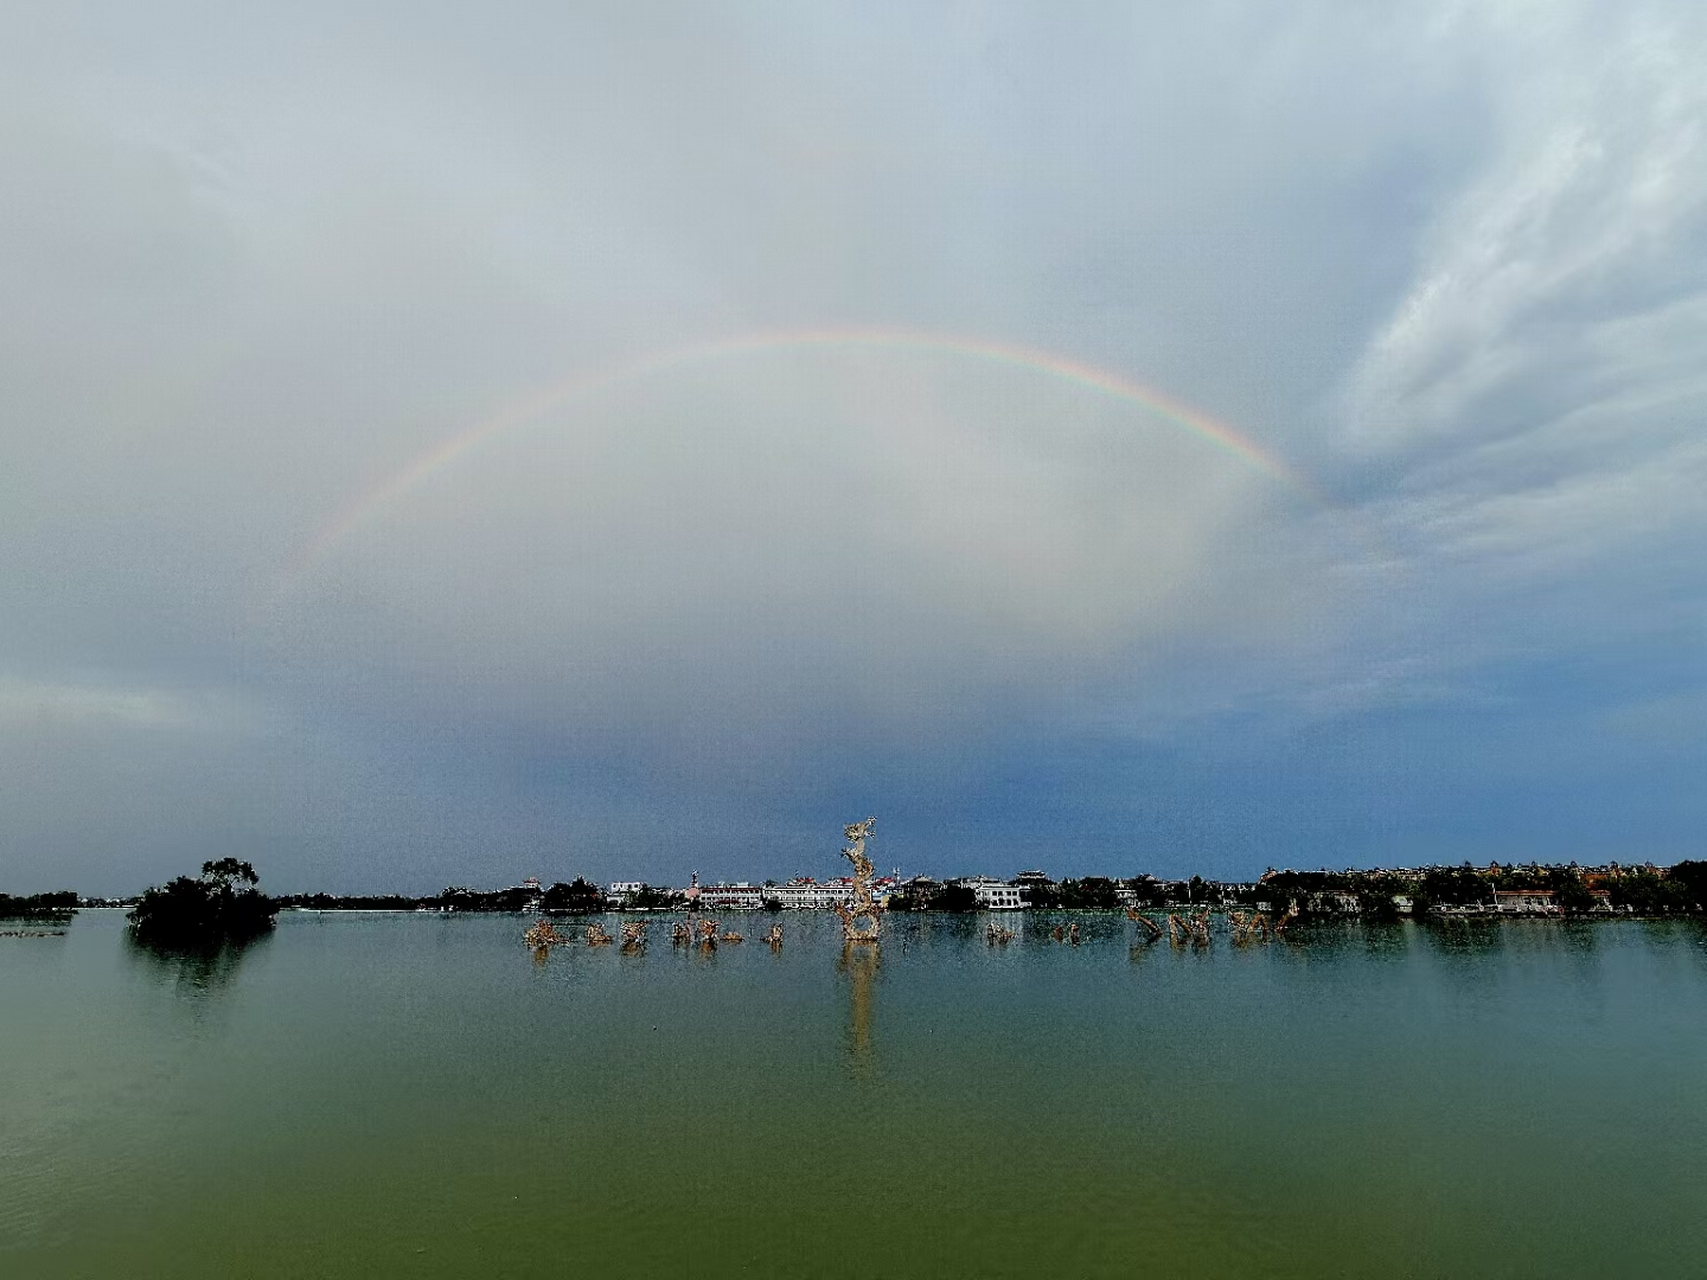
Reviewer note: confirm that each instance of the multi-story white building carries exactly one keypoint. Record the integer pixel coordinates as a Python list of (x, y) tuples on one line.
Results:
[(993, 894), (740, 896), (805, 894)]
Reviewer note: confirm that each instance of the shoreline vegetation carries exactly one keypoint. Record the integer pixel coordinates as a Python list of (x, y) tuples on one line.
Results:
[(223, 904), (60, 905), (1380, 894), (37, 915)]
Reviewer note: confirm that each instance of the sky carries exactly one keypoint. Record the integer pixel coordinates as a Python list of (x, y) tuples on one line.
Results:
[(441, 444)]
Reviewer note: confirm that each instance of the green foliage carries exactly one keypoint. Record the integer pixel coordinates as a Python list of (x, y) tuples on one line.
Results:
[(579, 897), (1572, 896), (1295, 886), (929, 896), (1690, 880), (1650, 894), (1149, 891), (953, 897), (1093, 893), (1452, 887), (225, 874), (1039, 895), (59, 906), (1375, 892), (209, 909), (514, 900)]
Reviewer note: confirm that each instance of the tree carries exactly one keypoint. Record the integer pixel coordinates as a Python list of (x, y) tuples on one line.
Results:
[(227, 872), (1649, 894), (1573, 896), (1375, 892), (1690, 879), (581, 898), (1093, 893), (210, 909), (56, 906), (1454, 887), (954, 897), (1149, 891)]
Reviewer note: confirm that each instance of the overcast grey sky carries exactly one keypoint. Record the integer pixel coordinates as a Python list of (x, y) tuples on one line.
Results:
[(701, 594)]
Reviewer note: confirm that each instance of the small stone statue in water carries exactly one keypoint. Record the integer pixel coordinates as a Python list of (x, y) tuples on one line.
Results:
[(542, 937)]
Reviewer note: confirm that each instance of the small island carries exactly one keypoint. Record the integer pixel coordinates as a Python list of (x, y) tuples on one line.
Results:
[(221, 905)]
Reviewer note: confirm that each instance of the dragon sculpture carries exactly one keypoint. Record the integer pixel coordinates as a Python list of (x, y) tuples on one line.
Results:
[(542, 937), (1150, 930), (1192, 928), (862, 919), (1249, 926)]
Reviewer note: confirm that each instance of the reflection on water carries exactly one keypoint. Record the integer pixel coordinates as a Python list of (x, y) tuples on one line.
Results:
[(385, 1095), (1692, 934), (195, 971), (1464, 937), (859, 961)]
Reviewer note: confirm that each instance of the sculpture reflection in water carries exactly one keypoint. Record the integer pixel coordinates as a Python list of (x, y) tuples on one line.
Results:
[(860, 965)]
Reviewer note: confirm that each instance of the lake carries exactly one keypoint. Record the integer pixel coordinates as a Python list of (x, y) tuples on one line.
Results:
[(364, 1094)]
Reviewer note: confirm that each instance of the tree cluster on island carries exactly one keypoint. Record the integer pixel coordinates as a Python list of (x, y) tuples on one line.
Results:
[(58, 906), (221, 905)]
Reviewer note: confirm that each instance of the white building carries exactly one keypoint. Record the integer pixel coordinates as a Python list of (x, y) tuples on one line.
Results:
[(1526, 902), (620, 891), (740, 896), (993, 894), (805, 894)]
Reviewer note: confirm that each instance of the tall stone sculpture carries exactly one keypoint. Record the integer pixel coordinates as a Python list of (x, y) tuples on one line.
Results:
[(862, 919)]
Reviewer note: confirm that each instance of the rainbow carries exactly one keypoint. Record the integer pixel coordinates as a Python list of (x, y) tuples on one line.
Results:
[(370, 504)]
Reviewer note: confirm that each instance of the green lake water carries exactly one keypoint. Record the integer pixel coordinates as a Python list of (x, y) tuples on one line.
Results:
[(413, 1095)]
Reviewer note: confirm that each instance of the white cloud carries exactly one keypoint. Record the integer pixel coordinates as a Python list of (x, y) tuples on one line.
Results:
[(51, 706), (1588, 217)]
